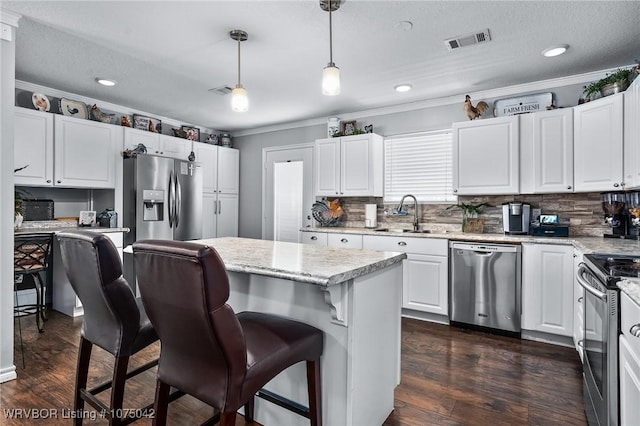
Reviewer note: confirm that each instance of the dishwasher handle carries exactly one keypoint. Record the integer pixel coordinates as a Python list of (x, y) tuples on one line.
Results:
[(486, 248)]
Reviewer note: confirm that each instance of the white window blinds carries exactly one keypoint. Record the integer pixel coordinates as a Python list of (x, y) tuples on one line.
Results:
[(419, 164)]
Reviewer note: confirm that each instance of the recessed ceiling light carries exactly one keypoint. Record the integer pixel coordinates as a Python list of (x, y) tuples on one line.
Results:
[(404, 87), (404, 25), (106, 82), (556, 50)]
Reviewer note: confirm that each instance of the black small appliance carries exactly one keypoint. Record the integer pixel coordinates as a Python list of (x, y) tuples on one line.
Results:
[(616, 214), (516, 217), (108, 219)]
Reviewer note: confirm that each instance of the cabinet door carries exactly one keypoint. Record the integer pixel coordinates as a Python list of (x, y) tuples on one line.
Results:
[(355, 157), (33, 147), (135, 137), (227, 221), (174, 147), (327, 170), (209, 216), (629, 383), (553, 151), (425, 284), (547, 288), (486, 157), (228, 170), (85, 153), (207, 155), (632, 135), (598, 144), (345, 240)]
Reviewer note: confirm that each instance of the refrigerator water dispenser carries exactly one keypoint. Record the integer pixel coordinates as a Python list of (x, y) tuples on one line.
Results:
[(153, 201)]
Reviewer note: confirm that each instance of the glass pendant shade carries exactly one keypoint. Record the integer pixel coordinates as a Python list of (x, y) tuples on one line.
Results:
[(239, 99), (331, 80)]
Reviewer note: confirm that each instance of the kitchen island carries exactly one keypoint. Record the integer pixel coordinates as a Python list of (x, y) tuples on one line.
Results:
[(354, 296)]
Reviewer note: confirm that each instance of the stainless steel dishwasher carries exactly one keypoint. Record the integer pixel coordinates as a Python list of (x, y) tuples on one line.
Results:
[(485, 285)]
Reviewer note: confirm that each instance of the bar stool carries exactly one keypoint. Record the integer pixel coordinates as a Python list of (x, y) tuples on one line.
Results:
[(31, 257), (113, 319), (208, 351)]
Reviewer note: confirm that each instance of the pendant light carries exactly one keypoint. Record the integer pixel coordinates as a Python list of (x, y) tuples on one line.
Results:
[(239, 99), (331, 73)]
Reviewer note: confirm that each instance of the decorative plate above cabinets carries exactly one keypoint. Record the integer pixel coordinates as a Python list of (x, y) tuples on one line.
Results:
[(486, 156), (349, 166)]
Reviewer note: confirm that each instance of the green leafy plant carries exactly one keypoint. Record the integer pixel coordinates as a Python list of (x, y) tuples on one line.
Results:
[(470, 211), (356, 131), (621, 76)]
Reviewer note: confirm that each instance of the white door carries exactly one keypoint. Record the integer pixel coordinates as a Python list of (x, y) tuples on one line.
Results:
[(287, 191)]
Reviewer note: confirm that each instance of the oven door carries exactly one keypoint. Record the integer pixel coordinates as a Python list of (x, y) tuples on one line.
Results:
[(600, 349)]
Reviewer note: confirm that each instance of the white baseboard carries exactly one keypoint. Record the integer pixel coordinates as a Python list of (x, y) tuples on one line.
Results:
[(7, 374)]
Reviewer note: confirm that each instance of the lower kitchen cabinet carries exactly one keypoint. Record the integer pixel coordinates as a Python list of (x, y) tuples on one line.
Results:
[(547, 288), (344, 240), (425, 271), (219, 215), (315, 238), (629, 366)]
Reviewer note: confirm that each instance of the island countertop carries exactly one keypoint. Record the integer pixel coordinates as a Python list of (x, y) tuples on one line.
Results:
[(323, 266)]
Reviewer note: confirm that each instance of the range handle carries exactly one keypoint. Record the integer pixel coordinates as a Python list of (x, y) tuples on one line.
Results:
[(584, 271)]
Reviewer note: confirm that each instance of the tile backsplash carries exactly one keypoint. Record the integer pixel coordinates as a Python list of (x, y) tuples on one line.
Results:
[(583, 212)]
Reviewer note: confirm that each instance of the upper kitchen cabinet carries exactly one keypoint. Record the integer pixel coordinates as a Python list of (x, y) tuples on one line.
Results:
[(546, 152), (632, 135), (349, 166), (157, 144), (33, 147), (486, 156), (85, 153), (598, 143)]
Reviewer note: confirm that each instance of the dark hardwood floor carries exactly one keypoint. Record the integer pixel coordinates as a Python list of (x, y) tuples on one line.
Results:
[(450, 376)]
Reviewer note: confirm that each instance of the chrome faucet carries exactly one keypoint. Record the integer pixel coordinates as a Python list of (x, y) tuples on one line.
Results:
[(415, 210)]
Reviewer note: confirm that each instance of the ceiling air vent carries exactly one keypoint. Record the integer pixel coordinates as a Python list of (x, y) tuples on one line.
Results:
[(222, 90), (467, 40)]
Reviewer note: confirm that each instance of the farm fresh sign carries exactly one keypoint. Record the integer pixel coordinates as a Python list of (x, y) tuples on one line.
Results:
[(522, 104)]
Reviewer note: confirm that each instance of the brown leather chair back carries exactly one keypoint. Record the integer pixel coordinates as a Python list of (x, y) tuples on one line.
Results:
[(111, 314), (184, 289)]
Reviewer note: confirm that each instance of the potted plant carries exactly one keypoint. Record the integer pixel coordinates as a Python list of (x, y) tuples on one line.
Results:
[(611, 84), (470, 221), (18, 197)]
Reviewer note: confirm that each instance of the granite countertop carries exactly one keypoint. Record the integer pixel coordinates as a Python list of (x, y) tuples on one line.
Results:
[(323, 266), (39, 226)]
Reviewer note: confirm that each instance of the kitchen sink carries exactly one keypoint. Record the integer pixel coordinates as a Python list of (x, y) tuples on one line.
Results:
[(403, 231)]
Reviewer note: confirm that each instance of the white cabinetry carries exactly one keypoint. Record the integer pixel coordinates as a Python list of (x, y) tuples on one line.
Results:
[(344, 240), (629, 362), (632, 135), (425, 272), (65, 151), (221, 167), (315, 238), (547, 288), (157, 144), (85, 153), (578, 305), (33, 147), (598, 144), (546, 152), (349, 166), (486, 156)]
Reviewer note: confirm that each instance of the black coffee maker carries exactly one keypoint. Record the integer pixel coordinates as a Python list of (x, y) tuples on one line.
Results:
[(633, 210), (616, 215)]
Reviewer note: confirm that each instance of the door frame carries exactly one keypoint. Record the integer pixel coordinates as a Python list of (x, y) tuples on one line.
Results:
[(267, 150)]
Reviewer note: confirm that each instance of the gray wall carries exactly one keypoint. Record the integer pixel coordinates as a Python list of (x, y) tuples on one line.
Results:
[(423, 119)]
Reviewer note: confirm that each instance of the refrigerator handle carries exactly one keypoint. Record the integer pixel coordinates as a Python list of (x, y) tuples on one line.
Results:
[(178, 203), (171, 199), (219, 207)]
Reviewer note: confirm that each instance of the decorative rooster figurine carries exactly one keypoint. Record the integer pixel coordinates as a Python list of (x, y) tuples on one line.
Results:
[(100, 116), (474, 112)]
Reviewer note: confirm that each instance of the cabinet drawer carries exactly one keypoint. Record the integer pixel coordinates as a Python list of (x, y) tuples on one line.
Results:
[(316, 238), (345, 240), (630, 316), (432, 246)]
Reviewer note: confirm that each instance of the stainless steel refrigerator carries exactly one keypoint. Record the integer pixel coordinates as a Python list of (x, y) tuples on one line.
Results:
[(162, 200)]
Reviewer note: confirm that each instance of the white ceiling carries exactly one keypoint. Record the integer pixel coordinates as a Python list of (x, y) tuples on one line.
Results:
[(166, 55)]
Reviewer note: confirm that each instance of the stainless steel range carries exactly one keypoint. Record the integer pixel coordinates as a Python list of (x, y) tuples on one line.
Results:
[(598, 275)]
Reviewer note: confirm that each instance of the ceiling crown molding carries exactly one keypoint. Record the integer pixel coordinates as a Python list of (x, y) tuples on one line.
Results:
[(9, 18)]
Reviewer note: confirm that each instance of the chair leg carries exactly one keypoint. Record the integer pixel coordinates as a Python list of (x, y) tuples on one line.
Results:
[(228, 419), (314, 386), (38, 284), (248, 410), (161, 404), (42, 308), (117, 390), (82, 374)]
